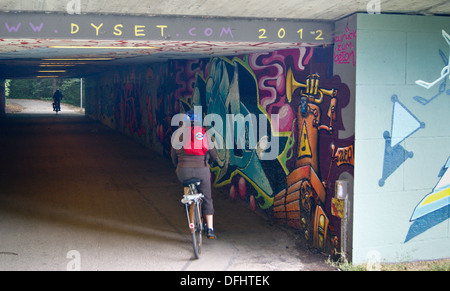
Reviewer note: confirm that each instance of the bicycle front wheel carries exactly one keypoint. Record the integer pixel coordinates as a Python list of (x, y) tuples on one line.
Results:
[(197, 234)]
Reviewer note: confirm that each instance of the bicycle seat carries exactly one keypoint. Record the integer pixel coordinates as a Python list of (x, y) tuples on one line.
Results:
[(188, 182)]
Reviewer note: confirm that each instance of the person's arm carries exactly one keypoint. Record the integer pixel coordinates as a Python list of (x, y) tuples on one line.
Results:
[(212, 155)]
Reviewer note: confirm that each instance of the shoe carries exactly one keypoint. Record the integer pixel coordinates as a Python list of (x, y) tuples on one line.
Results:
[(210, 233)]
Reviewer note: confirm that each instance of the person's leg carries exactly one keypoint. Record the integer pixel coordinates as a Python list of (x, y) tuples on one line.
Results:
[(207, 206), (204, 175), (209, 221)]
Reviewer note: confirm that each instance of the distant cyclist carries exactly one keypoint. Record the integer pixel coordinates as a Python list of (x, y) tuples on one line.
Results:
[(57, 100), (193, 165)]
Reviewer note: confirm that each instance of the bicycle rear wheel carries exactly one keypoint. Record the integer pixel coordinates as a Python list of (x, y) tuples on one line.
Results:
[(197, 233)]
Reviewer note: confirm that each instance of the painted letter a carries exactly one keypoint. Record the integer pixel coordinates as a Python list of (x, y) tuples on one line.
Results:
[(74, 7)]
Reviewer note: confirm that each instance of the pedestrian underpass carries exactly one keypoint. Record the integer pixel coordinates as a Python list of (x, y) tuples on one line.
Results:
[(77, 195), (139, 71)]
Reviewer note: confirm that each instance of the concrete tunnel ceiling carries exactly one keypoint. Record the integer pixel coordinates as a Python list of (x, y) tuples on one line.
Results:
[(131, 32), (31, 43)]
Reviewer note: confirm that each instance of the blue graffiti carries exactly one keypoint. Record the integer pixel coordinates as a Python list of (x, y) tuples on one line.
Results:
[(435, 207), (231, 88), (442, 87), (404, 124)]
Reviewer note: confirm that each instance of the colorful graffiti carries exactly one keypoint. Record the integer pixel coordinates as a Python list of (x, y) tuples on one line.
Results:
[(444, 73), (296, 187), (438, 198), (230, 88), (434, 208), (302, 202)]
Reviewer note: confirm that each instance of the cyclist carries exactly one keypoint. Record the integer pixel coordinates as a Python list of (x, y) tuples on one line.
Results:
[(196, 166), (57, 100)]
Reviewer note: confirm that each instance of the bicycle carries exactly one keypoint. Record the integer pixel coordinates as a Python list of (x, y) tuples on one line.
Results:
[(56, 107), (192, 201)]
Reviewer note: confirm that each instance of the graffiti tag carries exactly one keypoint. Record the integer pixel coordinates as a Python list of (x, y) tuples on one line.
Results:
[(344, 52)]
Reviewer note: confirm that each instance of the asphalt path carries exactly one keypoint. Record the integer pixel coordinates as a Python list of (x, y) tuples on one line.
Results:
[(29, 106), (76, 195)]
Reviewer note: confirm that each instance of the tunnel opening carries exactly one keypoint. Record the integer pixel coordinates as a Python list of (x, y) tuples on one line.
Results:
[(36, 96), (38, 45), (133, 90)]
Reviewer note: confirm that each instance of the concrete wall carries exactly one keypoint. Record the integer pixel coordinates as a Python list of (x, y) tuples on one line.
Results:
[(295, 9), (345, 42), (378, 126), (313, 148), (401, 139)]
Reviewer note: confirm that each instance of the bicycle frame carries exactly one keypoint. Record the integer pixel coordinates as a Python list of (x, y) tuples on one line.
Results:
[(56, 107), (192, 201)]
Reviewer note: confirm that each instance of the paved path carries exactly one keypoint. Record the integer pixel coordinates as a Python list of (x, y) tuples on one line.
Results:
[(43, 107), (77, 195)]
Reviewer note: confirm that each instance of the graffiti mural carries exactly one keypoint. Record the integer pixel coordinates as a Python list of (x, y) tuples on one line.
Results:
[(230, 89), (445, 70), (296, 186), (442, 88), (438, 198), (304, 201), (404, 124), (434, 207)]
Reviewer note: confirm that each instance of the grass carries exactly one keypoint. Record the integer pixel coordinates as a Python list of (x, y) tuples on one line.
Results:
[(435, 265), (12, 107), (440, 265)]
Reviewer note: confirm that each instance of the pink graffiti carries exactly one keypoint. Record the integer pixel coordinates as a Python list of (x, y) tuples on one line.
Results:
[(270, 71), (186, 77), (344, 51), (345, 58)]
